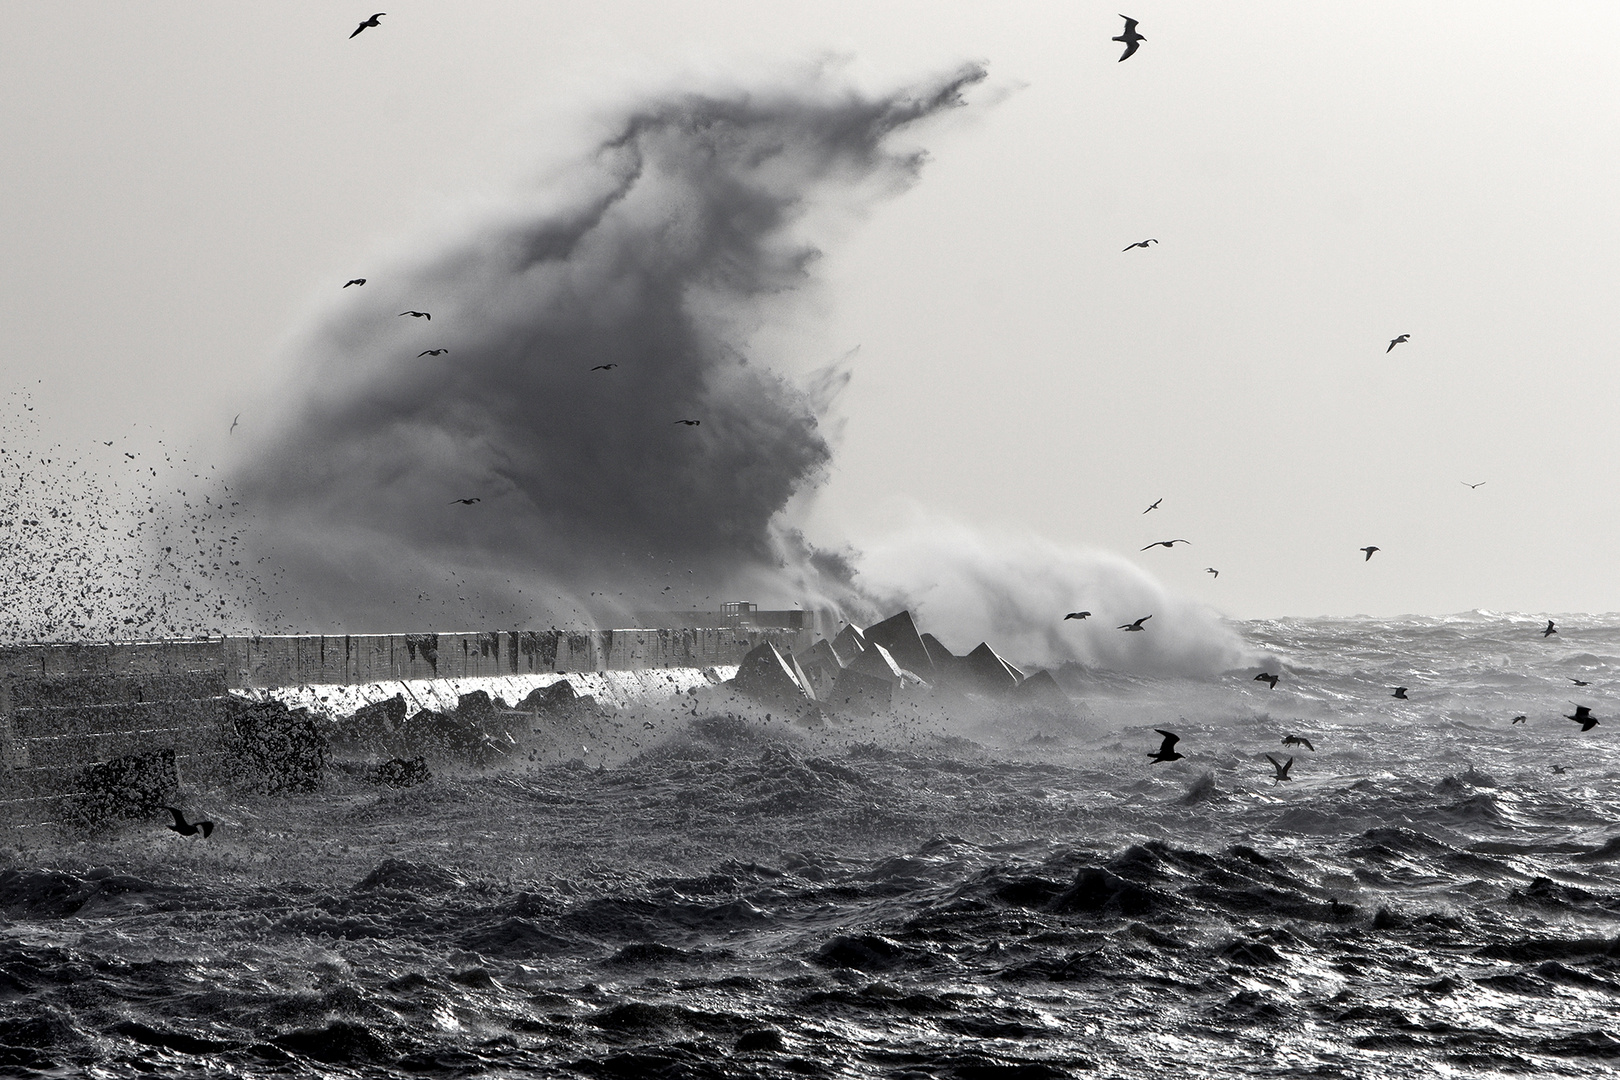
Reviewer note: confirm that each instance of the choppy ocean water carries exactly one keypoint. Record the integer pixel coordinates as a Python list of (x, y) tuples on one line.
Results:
[(1003, 894)]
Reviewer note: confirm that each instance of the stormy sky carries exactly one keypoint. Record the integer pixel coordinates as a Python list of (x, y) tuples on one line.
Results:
[(188, 188)]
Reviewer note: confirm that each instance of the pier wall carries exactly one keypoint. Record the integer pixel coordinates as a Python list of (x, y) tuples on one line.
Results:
[(67, 709)]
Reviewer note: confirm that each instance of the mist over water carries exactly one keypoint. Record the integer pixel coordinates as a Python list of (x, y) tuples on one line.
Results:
[(594, 501)]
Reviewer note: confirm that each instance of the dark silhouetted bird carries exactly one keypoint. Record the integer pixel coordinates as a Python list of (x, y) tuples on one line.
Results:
[(1559, 769), (1140, 243), (1130, 38), (369, 22), (185, 828), (1369, 550), (234, 422), (1471, 487), (1521, 718), (1400, 692), (1398, 341), (354, 280), (1166, 543), (1137, 625), (1282, 768), (604, 367), (1166, 751), (1155, 505), (1551, 630), (418, 315), (1269, 679), (1298, 740), (689, 423), (431, 352), (1077, 615), (463, 502), (1577, 682), (1583, 716)]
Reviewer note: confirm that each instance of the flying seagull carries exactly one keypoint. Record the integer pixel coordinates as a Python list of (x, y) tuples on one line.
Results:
[(185, 828), (1212, 570), (1166, 543), (604, 367), (1577, 682), (1077, 615), (1267, 678), (1130, 38), (1471, 487), (1166, 751), (418, 315), (463, 502), (1400, 692), (1550, 631), (233, 423), (1583, 716), (1140, 243), (1521, 718), (1155, 505), (1403, 339), (357, 280), (1369, 550), (689, 423), (431, 352), (369, 22), (1298, 740), (1282, 768), (1137, 625)]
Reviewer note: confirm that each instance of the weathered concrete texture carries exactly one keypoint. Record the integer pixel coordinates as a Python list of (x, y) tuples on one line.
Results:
[(860, 694), (878, 663), (849, 644), (766, 675), (373, 658), (983, 670), (820, 665), (899, 635), (1042, 689)]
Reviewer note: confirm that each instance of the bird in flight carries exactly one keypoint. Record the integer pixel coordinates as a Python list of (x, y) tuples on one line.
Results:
[(1166, 751), (357, 280), (108, 443), (1369, 550), (1140, 243), (369, 22), (1521, 718), (1077, 615), (1400, 692), (604, 367), (418, 315), (1282, 768), (1471, 487), (1131, 39), (1550, 631), (1212, 570), (464, 502), (689, 423), (1137, 625), (185, 828), (431, 352), (1155, 505), (1403, 339), (1298, 740), (1583, 716), (1166, 543), (1577, 682), (233, 425), (1267, 678)]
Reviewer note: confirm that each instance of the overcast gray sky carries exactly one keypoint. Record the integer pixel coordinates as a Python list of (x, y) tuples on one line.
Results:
[(186, 184)]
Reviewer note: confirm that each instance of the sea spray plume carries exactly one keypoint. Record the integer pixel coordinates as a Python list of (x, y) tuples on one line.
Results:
[(965, 586), (681, 233)]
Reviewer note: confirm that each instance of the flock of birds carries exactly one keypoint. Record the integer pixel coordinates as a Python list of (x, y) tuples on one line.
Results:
[(1167, 752)]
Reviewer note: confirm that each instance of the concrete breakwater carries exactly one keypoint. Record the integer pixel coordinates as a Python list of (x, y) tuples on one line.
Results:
[(74, 716)]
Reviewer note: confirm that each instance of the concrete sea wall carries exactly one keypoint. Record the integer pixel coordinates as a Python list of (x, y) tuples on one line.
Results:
[(67, 710)]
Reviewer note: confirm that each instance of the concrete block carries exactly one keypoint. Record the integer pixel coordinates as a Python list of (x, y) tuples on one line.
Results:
[(898, 633), (766, 675)]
